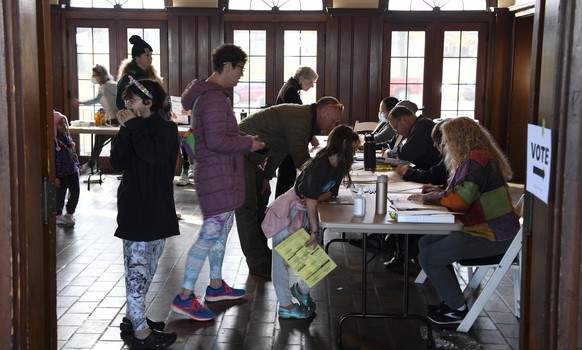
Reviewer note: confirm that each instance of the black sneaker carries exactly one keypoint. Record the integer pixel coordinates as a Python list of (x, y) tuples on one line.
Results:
[(445, 315), (127, 327), (436, 307), (156, 340)]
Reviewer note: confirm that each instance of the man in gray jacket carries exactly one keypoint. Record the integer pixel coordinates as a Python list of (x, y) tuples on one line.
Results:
[(285, 129)]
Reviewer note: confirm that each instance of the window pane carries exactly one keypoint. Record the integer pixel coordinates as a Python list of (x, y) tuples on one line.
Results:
[(459, 73), (92, 46), (468, 70), (150, 36), (249, 94), (407, 65), (469, 42), (300, 50), (84, 40), (452, 43), (450, 70)]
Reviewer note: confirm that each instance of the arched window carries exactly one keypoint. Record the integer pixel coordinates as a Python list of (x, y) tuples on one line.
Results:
[(436, 5), (276, 5), (125, 4)]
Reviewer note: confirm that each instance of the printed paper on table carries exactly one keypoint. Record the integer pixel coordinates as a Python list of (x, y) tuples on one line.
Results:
[(312, 264), (181, 119)]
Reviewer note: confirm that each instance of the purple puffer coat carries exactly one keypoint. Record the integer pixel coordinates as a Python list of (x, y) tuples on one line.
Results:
[(219, 169)]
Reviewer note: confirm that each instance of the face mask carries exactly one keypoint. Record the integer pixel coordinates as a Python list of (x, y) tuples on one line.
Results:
[(381, 117), (94, 80)]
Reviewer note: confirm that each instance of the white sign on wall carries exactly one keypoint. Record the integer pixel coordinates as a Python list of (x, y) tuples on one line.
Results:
[(539, 161)]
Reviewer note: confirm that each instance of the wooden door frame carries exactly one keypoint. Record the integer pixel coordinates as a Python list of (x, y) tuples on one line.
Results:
[(274, 63), (551, 280), (433, 53), (27, 257)]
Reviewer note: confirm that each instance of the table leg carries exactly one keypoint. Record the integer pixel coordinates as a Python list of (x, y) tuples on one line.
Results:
[(365, 314)]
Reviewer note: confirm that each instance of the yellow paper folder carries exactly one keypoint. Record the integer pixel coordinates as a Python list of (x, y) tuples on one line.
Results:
[(312, 264)]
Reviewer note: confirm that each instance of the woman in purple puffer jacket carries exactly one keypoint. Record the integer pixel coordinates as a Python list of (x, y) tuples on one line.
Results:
[(218, 177)]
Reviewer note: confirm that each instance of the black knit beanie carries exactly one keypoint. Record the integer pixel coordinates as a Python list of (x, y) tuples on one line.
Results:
[(139, 46)]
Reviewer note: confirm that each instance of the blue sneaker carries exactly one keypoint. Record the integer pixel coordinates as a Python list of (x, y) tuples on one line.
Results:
[(191, 308), (223, 293), (298, 311), (304, 300)]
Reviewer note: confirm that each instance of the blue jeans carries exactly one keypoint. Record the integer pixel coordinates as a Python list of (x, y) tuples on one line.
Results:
[(438, 252)]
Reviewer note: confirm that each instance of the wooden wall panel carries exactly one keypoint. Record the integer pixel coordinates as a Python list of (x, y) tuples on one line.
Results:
[(520, 88), (192, 35), (354, 65), (495, 118), (360, 71)]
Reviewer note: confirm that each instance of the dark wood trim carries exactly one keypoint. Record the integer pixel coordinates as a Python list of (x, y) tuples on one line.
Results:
[(193, 11), (262, 16), (108, 14)]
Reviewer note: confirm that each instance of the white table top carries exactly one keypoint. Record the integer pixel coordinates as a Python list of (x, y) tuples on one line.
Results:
[(340, 217)]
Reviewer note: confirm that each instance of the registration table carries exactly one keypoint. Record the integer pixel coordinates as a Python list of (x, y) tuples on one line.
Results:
[(104, 130), (340, 218)]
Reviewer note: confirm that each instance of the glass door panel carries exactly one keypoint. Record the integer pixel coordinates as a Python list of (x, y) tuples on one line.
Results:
[(92, 48), (249, 94), (300, 50), (407, 65), (459, 77)]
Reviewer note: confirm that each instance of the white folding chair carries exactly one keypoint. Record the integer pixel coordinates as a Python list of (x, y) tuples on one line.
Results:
[(362, 127), (510, 259), (500, 265)]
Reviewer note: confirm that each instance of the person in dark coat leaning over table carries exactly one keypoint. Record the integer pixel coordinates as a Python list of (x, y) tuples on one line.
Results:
[(303, 79), (284, 129), (146, 150), (418, 148)]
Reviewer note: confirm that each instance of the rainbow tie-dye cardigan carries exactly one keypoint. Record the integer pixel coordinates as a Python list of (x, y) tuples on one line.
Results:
[(480, 192)]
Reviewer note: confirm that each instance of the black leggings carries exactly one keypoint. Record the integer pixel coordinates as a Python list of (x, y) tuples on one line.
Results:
[(71, 183)]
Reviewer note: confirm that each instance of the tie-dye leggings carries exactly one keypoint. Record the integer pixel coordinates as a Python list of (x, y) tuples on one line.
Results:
[(141, 262), (211, 243)]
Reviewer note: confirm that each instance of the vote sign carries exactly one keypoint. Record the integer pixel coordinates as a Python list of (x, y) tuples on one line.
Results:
[(539, 161)]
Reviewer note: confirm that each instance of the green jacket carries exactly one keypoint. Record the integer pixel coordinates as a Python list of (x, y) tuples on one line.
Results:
[(285, 129)]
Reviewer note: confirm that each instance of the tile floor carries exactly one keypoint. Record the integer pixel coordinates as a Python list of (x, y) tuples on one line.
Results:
[(91, 294)]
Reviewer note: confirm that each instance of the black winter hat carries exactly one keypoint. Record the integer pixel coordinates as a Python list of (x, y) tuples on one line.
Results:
[(139, 46)]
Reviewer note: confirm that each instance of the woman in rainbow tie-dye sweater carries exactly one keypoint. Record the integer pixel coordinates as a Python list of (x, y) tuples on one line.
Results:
[(478, 190)]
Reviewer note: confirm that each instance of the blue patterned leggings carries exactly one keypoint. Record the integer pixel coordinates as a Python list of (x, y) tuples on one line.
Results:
[(211, 243), (141, 262)]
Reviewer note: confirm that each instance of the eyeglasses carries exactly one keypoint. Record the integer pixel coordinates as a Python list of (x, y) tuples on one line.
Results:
[(338, 105), (395, 126), (129, 101), (242, 68)]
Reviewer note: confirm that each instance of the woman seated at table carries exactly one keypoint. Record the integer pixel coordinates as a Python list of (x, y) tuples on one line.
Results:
[(435, 179), (478, 189), (319, 180)]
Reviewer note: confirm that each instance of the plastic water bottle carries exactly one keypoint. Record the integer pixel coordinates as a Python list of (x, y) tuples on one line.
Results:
[(360, 204), (381, 194), (369, 153)]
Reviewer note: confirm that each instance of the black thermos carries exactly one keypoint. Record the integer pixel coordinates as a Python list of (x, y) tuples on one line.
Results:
[(369, 153)]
